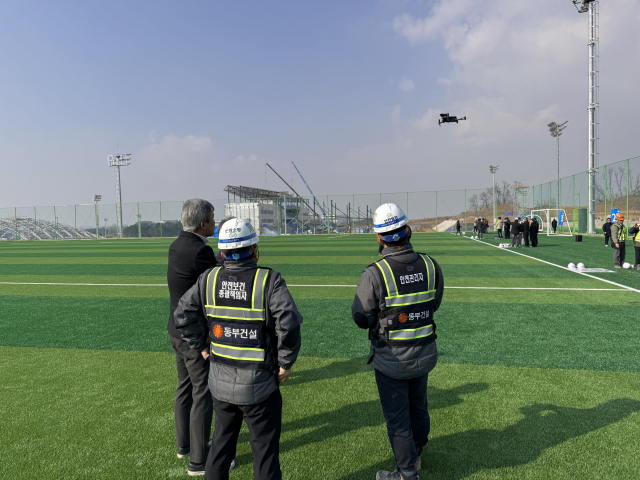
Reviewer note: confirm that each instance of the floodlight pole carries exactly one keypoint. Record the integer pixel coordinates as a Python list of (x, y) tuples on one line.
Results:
[(592, 7), (593, 110), (119, 160), (96, 199), (493, 171)]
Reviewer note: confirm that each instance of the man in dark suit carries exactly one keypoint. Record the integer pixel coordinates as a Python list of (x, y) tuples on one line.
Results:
[(525, 231), (189, 256), (507, 228)]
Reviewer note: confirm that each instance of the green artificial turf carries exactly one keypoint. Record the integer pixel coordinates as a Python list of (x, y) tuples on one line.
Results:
[(530, 383)]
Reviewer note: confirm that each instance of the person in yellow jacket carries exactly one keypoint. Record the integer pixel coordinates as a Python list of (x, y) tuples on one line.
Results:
[(619, 238), (634, 232)]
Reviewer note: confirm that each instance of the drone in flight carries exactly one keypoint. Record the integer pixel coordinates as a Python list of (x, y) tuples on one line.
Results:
[(446, 118)]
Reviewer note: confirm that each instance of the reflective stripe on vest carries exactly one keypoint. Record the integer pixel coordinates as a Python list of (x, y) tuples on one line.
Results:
[(395, 300), (622, 233), (257, 312), (238, 353), (411, 334)]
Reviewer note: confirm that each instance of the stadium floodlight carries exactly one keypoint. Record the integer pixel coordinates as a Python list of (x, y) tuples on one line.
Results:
[(493, 171), (119, 160), (555, 130), (592, 7)]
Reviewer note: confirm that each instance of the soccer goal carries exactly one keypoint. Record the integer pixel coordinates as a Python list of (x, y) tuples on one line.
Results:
[(546, 216)]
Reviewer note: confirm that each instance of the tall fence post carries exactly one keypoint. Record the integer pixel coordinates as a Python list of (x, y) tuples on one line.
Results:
[(160, 219), (605, 193), (15, 220), (436, 210), (407, 206), (627, 188), (465, 211), (139, 222), (35, 223)]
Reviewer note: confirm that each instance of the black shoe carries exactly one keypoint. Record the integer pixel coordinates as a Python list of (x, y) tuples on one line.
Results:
[(384, 475), (195, 469), (183, 453)]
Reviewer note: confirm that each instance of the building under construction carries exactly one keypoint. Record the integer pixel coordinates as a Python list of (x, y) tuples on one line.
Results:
[(274, 213)]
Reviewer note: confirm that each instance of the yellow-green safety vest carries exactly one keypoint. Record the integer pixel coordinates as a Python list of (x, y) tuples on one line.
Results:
[(397, 302), (236, 332)]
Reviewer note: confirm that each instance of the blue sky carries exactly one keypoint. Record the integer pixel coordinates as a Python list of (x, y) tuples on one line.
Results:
[(204, 93)]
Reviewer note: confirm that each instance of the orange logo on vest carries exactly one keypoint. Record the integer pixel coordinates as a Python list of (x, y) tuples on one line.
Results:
[(217, 331), (403, 317)]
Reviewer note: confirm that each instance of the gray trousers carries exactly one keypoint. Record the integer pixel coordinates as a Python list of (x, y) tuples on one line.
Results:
[(515, 239), (194, 405)]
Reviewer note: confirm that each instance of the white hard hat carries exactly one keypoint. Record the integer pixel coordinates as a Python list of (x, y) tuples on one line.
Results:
[(237, 233), (389, 217)]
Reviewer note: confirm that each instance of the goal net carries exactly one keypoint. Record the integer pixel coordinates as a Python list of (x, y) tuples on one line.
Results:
[(545, 218)]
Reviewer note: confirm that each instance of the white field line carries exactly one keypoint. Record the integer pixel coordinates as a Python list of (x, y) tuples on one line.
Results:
[(338, 236), (559, 266), (347, 286)]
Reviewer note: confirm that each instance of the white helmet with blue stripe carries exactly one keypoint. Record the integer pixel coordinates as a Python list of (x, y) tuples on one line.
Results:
[(389, 217), (237, 233)]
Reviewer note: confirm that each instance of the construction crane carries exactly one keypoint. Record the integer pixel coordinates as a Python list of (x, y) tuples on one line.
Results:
[(304, 201), (314, 198)]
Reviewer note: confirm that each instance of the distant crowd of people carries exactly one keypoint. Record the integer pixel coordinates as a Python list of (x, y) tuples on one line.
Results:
[(526, 230)]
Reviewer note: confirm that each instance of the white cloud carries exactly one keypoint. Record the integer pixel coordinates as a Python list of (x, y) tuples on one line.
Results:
[(406, 84), (395, 113)]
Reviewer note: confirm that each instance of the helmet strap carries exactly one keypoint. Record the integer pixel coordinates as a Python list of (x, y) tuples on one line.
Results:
[(395, 237)]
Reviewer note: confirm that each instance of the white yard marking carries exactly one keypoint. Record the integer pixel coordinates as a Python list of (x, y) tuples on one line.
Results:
[(559, 266), (347, 286)]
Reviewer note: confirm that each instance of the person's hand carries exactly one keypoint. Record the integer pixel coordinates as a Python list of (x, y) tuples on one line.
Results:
[(284, 375), (617, 245), (205, 353)]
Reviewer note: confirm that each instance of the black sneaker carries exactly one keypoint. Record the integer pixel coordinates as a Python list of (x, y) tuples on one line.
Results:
[(195, 469)]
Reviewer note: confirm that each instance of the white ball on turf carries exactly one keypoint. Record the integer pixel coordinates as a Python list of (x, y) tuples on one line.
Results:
[(581, 266), (572, 266), (626, 265)]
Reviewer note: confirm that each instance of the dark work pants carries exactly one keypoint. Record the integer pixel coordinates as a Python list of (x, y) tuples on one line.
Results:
[(507, 233), (526, 239), (499, 233), (265, 423), (194, 406), (404, 405), (606, 239), (637, 249), (534, 239), (619, 254)]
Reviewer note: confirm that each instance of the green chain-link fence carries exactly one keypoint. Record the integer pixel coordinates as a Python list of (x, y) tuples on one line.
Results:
[(617, 186)]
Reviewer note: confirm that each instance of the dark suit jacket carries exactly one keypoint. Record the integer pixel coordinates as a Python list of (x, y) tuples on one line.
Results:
[(188, 258)]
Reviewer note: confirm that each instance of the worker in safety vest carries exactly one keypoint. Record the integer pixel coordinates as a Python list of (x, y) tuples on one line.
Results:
[(619, 238), (253, 327), (396, 300), (635, 232)]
